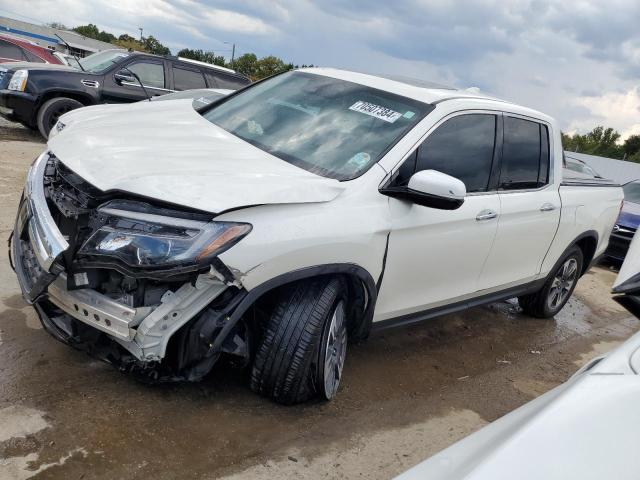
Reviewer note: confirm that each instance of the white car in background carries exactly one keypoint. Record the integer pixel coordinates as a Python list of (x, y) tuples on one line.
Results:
[(586, 428), (298, 213)]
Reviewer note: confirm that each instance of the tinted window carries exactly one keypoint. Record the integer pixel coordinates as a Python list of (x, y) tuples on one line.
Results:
[(220, 80), (525, 155), (463, 148), (9, 50), (151, 74), (187, 79)]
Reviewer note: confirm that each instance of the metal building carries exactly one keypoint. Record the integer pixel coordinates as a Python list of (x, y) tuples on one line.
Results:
[(46, 37)]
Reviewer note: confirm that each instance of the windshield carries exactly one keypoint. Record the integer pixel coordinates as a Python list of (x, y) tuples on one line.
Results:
[(100, 61), (327, 126), (632, 192)]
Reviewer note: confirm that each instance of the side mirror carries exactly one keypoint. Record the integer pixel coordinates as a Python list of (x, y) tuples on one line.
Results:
[(123, 76), (430, 188)]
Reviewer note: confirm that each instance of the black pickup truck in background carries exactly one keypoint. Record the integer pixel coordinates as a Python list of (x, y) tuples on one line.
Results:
[(36, 95)]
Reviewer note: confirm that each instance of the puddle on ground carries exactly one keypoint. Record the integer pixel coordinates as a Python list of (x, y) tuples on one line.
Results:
[(22, 468), (18, 421), (574, 317)]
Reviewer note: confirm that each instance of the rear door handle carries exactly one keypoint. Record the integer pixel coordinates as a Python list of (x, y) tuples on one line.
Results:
[(486, 215), (547, 207)]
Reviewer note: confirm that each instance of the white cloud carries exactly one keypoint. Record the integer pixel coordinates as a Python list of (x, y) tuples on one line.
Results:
[(618, 110)]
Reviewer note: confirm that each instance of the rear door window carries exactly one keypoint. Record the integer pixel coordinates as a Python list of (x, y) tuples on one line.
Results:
[(462, 147), (187, 79), (525, 155)]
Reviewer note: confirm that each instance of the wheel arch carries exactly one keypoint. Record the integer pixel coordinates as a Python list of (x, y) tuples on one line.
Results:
[(588, 244), (358, 278), (83, 98)]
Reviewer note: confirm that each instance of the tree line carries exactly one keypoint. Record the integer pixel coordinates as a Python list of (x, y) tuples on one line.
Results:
[(604, 142), (248, 64)]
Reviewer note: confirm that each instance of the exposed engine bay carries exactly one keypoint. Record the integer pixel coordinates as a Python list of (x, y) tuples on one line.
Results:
[(140, 284)]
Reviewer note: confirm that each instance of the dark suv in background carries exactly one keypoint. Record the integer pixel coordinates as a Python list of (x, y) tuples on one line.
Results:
[(37, 95)]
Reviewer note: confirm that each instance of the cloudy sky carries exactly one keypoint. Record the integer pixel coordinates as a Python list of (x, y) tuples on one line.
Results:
[(578, 61)]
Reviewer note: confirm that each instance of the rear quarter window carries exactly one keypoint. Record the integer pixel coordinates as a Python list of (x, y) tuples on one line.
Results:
[(525, 155)]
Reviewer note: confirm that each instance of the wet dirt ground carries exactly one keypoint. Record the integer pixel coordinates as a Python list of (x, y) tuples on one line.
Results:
[(406, 394)]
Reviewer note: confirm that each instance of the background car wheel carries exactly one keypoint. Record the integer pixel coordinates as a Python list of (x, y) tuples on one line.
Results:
[(558, 288), (303, 348), (52, 110)]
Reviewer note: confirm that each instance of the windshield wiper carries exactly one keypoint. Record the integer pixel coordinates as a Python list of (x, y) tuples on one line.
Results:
[(69, 49)]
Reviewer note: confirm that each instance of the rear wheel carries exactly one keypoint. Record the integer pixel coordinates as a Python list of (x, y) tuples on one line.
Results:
[(303, 348), (558, 288), (52, 110)]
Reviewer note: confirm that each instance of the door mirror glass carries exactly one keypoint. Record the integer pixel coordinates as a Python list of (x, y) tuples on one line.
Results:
[(430, 188)]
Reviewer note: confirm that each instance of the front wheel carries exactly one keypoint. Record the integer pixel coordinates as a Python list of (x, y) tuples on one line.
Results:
[(558, 288), (52, 110), (304, 344)]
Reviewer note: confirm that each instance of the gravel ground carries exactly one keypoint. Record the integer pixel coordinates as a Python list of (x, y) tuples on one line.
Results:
[(406, 394)]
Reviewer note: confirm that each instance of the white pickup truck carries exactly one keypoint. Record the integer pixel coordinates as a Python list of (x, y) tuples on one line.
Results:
[(292, 216)]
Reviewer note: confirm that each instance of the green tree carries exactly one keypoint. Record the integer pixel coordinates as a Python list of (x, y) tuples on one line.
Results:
[(152, 45), (246, 64), (202, 56), (92, 31), (631, 148), (599, 141), (268, 66)]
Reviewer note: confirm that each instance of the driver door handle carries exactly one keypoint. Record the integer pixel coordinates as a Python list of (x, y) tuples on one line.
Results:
[(547, 207), (486, 215)]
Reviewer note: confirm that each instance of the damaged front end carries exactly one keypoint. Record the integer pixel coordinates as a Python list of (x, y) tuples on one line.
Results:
[(130, 281)]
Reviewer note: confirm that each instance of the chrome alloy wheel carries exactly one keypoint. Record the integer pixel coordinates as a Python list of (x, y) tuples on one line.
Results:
[(335, 351), (562, 284)]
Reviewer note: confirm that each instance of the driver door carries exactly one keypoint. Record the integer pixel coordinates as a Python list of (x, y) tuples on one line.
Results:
[(434, 256), (152, 74)]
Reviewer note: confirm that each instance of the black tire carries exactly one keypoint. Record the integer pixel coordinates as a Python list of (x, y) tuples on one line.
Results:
[(288, 366), (51, 110), (541, 303)]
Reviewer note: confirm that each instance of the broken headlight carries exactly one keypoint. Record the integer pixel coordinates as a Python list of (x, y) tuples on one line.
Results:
[(142, 240)]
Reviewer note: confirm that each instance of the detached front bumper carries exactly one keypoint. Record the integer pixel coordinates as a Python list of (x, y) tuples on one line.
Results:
[(37, 246)]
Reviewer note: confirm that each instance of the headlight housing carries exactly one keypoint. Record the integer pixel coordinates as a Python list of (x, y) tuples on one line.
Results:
[(18, 81), (139, 241)]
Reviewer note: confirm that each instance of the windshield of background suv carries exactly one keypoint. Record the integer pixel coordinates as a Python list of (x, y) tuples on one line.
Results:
[(327, 126), (632, 192), (100, 61)]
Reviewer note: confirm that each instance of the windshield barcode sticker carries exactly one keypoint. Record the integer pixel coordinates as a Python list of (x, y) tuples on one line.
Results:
[(376, 111)]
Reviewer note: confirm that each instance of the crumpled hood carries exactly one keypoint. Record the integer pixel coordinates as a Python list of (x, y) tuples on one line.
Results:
[(167, 151)]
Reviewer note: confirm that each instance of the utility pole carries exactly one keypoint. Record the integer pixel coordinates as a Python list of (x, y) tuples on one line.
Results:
[(140, 28), (233, 51)]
